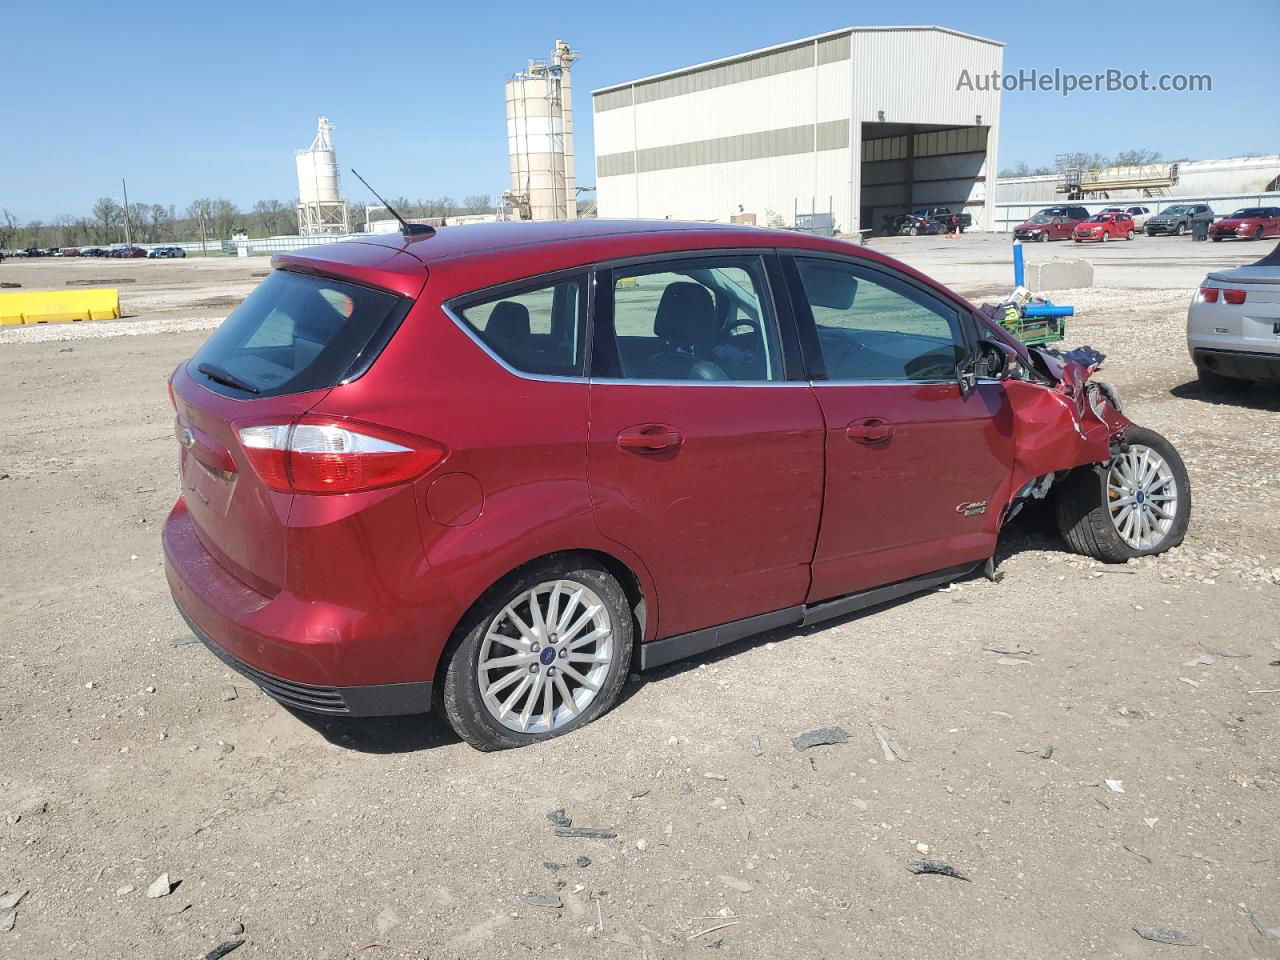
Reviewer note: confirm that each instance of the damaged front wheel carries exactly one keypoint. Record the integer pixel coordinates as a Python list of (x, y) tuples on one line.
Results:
[(1136, 505)]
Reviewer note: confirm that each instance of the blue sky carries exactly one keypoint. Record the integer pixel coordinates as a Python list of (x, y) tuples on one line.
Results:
[(211, 99)]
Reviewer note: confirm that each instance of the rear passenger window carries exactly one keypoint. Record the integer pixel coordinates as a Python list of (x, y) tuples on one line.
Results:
[(539, 329), (873, 326), (705, 318)]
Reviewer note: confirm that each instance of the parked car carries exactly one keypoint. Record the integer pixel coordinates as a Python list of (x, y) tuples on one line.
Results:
[(1250, 223), (1051, 223), (1177, 219), (913, 225), (406, 480), (1104, 227), (163, 253), (131, 253), (69, 252), (958, 222), (92, 252), (1233, 326), (1139, 215)]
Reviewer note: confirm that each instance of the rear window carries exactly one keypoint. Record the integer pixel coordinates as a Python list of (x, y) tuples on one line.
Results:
[(296, 333)]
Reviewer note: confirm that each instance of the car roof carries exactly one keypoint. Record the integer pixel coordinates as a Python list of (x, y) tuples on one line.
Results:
[(549, 246)]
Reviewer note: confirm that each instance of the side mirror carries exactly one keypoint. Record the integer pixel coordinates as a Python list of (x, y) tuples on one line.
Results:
[(996, 360)]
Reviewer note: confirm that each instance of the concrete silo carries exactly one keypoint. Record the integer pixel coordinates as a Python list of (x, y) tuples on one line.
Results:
[(321, 208), (540, 139)]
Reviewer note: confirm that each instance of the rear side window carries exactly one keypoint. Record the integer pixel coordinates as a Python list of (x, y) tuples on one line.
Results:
[(538, 329), (701, 318), (296, 333)]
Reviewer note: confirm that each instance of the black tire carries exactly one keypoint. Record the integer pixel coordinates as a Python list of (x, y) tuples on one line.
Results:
[(1257, 234), (1217, 239), (1084, 515), (1220, 384), (1180, 229), (460, 696), (1044, 237), (1129, 235)]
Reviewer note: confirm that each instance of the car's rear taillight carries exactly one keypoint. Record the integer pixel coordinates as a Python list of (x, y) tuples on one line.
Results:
[(1208, 294), (1233, 296), (324, 455)]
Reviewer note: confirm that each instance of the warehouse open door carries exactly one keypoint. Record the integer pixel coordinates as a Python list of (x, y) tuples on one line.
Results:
[(907, 167)]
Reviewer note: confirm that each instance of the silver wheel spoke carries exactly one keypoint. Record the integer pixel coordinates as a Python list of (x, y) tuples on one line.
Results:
[(574, 674), (516, 659), (575, 600), (538, 680), (502, 684), (548, 703), (586, 638), (515, 695), (565, 695), (582, 621), (553, 608), (526, 634), (587, 658)]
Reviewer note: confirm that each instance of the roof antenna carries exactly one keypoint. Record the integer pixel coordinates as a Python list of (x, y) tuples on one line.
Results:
[(407, 228)]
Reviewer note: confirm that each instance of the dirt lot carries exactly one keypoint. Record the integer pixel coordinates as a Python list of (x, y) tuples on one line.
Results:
[(1013, 705)]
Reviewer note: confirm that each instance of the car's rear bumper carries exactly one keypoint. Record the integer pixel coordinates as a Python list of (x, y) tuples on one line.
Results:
[(1240, 364), (374, 700), (302, 652)]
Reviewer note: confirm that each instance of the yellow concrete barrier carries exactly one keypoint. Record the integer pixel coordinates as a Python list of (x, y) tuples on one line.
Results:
[(58, 306)]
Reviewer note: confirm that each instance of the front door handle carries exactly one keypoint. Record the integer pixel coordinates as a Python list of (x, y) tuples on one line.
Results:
[(650, 438), (869, 430)]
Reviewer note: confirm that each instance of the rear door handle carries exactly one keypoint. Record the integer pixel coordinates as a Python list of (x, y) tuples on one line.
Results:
[(650, 438), (869, 430)]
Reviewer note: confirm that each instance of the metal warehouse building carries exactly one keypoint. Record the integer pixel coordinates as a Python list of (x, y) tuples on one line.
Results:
[(857, 123)]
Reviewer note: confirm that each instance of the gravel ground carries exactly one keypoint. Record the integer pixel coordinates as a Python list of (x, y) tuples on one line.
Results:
[(1086, 744)]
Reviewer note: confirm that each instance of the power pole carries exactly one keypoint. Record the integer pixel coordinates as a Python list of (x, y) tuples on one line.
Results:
[(128, 240)]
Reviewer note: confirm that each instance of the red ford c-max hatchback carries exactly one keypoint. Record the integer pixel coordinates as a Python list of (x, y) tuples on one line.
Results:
[(477, 470)]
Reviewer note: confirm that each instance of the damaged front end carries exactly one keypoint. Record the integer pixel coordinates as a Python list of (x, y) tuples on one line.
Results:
[(1063, 420)]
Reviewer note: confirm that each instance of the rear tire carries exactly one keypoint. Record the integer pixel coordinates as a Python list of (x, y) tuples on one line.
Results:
[(1136, 505), (515, 710), (1217, 383)]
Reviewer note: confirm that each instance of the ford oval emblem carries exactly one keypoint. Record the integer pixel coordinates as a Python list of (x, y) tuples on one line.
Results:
[(188, 438)]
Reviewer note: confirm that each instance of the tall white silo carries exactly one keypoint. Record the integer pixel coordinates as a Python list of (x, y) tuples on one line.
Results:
[(540, 138), (321, 208)]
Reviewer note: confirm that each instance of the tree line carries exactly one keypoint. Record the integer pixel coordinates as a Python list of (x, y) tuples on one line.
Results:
[(219, 217), (1084, 161)]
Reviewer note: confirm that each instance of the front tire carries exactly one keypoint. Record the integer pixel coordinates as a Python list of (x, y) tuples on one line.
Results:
[(1129, 235), (1106, 237), (543, 652), (1136, 505), (1257, 234), (1180, 229)]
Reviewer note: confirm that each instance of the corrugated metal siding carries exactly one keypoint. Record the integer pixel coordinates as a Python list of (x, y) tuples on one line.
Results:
[(911, 75), (789, 59), (832, 135)]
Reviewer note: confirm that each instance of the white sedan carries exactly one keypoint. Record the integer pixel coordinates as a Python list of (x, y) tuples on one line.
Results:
[(1233, 326)]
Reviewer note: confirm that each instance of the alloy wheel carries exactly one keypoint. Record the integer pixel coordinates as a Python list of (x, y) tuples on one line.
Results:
[(545, 656), (1142, 495)]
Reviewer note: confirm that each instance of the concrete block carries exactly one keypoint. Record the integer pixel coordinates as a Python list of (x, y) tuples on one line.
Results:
[(58, 306), (1059, 275)]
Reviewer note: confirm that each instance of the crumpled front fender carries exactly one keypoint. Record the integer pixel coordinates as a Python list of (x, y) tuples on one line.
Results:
[(1068, 422)]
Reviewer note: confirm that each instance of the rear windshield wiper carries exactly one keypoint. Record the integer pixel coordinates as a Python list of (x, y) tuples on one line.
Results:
[(218, 375)]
